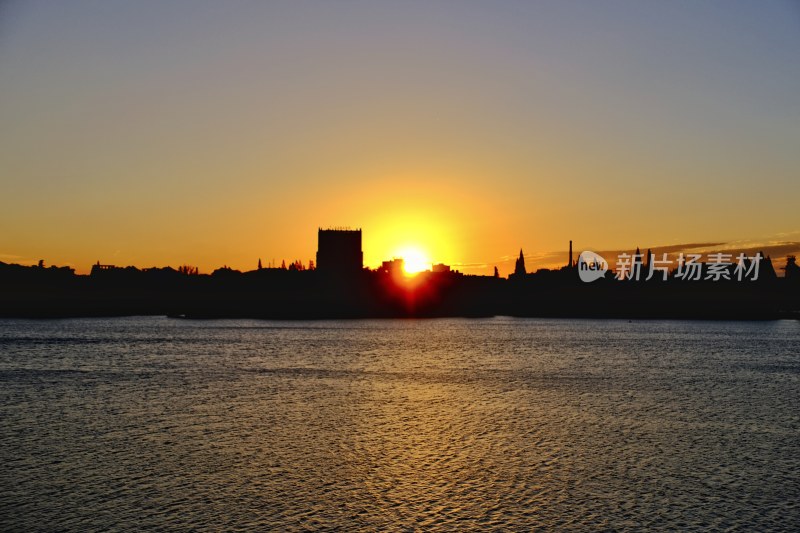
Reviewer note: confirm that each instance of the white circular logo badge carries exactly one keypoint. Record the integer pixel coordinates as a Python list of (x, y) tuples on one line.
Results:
[(591, 266)]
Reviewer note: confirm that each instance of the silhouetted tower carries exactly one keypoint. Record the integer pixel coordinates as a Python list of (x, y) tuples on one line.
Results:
[(570, 255), (519, 267), (767, 270), (792, 271), (339, 250), (259, 263), (636, 265)]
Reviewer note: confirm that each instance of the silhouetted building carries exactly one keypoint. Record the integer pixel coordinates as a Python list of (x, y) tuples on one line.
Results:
[(395, 266), (791, 269), (339, 250), (767, 269), (98, 268), (441, 268), (636, 265)]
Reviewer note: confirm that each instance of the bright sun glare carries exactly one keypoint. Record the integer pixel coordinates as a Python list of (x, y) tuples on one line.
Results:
[(414, 260)]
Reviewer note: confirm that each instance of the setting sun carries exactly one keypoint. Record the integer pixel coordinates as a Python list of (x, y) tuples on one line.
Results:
[(414, 260)]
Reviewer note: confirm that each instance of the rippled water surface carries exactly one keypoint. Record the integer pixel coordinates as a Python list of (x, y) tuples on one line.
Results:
[(153, 423)]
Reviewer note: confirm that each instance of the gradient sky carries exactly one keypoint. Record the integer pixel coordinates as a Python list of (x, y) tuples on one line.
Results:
[(210, 133)]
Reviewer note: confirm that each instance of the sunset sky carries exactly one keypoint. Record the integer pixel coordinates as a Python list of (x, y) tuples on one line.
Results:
[(158, 133)]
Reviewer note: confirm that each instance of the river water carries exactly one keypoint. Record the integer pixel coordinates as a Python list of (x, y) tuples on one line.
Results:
[(448, 424)]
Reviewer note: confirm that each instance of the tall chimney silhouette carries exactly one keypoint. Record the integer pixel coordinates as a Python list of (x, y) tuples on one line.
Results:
[(570, 254)]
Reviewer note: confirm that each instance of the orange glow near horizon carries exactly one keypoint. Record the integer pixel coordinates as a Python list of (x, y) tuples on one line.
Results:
[(420, 227)]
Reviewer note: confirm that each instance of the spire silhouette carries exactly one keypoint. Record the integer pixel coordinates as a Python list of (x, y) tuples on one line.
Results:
[(519, 267)]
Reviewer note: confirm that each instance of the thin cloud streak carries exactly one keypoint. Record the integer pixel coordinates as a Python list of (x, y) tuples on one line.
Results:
[(775, 248)]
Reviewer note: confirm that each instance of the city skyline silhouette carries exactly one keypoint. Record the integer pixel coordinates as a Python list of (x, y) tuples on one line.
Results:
[(338, 285)]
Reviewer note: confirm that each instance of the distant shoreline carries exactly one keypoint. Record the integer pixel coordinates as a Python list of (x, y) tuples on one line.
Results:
[(278, 294)]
